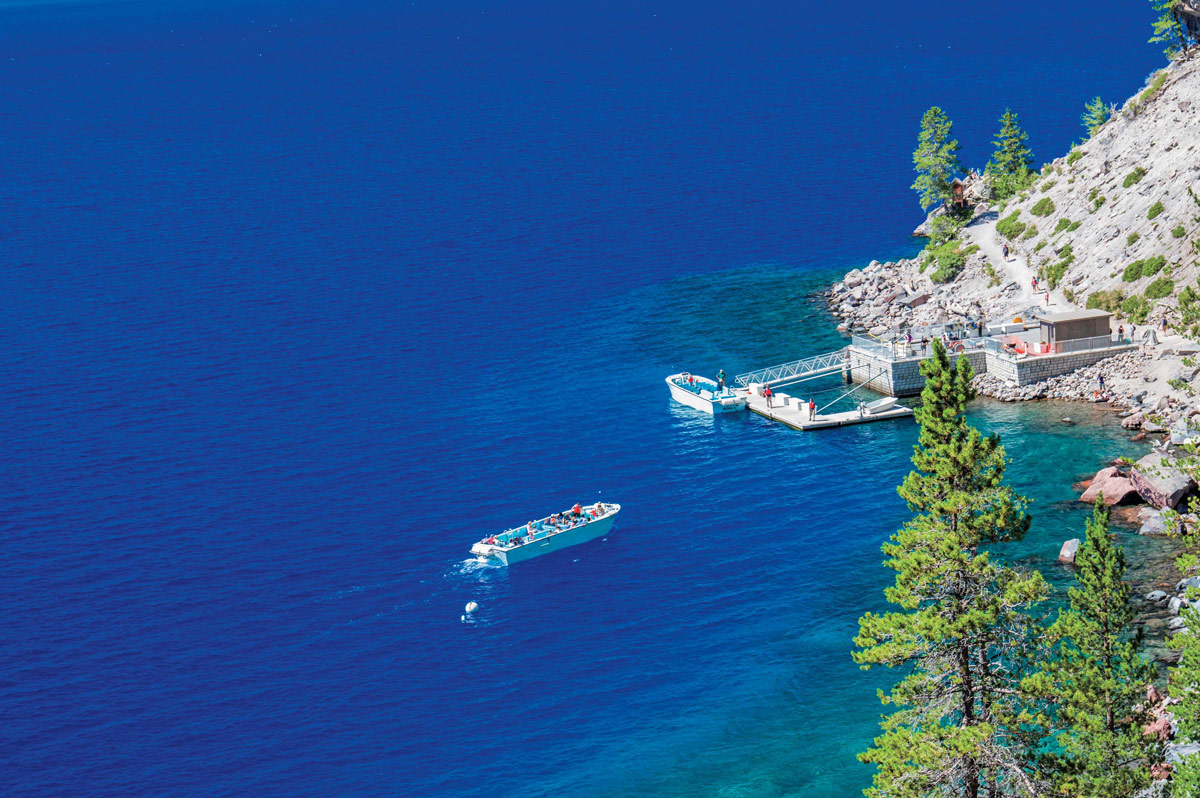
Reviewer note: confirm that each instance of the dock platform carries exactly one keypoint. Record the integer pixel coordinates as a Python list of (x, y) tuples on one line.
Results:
[(795, 415)]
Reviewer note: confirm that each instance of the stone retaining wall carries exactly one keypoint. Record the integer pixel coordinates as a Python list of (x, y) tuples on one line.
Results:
[(903, 377)]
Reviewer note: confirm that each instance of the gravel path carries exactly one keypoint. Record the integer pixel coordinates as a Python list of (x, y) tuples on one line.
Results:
[(982, 231)]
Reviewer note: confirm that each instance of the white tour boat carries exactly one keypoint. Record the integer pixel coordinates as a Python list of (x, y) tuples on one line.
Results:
[(555, 532), (703, 394)]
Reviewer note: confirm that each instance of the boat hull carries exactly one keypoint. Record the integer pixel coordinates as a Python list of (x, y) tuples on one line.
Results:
[(716, 405), (551, 543)]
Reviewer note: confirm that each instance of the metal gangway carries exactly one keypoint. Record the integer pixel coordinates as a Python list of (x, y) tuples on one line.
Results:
[(797, 371)]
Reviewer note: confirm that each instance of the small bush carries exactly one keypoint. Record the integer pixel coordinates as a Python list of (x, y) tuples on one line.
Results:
[(1178, 232), (1153, 89), (1056, 271), (993, 278), (1043, 207), (1133, 177), (948, 258), (1163, 286), (1106, 300), (1040, 244), (1098, 203), (1155, 211), (1049, 184), (1132, 239), (1151, 266), (1133, 271), (1136, 309), (1030, 232), (1063, 224), (1071, 228), (1074, 156), (1070, 295), (1009, 227)]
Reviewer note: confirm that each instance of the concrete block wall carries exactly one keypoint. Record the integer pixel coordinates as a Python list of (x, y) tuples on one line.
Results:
[(903, 378)]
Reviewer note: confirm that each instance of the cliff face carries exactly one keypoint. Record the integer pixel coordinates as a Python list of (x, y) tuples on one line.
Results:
[(1122, 197)]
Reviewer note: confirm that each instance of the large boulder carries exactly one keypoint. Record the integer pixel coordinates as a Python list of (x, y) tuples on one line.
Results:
[(1066, 555), (1115, 487), (1161, 483), (1134, 421), (854, 279)]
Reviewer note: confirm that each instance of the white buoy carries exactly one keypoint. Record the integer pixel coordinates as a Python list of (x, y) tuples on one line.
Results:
[(471, 607)]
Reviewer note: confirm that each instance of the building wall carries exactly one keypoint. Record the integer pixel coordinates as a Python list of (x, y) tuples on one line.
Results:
[(903, 378)]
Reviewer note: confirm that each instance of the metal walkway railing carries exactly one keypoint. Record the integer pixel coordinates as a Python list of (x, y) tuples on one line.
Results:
[(795, 371)]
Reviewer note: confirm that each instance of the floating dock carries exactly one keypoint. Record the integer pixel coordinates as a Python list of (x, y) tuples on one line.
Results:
[(794, 413)]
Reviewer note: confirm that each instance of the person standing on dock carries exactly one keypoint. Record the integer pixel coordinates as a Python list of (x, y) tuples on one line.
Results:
[(767, 393), (812, 410)]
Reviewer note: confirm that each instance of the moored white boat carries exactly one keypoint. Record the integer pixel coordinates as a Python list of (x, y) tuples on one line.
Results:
[(703, 394), (549, 534)]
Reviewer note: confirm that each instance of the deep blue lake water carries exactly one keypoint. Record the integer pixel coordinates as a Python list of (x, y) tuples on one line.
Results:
[(301, 299)]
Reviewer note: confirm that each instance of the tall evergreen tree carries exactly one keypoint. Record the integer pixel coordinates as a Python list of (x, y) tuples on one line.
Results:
[(1185, 677), (961, 621), (1010, 165), (1095, 114), (1169, 28), (1098, 679), (935, 159)]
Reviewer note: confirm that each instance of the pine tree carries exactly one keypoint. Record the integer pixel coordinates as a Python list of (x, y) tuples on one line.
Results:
[(1095, 114), (1169, 28), (1010, 165), (1185, 676), (935, 159), (1098, 679), (962, 623)]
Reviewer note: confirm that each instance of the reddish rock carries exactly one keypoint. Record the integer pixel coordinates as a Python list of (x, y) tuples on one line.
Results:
[(1141, 436), (1114, 486), (1066, 555), (1160, 728)]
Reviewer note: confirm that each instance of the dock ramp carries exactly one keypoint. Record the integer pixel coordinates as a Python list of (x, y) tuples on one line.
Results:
[(796, 371)]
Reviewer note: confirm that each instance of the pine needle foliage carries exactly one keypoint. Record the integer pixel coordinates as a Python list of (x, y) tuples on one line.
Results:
[(1095, 114), (1098, 679), (1169, 28), (1010, 167), (935, 159), (962, 625)]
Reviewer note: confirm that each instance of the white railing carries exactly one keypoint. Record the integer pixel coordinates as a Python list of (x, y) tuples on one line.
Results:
[(796, 370)]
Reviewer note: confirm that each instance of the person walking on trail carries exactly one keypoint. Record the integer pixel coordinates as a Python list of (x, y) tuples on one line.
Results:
[(1033, 282), (1047, 299), (1006, 253), (1133, 333), (812, 410), (1121, 333), (1164, 325)]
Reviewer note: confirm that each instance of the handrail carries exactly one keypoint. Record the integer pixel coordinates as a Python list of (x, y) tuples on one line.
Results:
[(808, 367)]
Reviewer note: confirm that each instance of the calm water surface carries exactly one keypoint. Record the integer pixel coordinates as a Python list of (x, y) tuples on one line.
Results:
[(302, 298)]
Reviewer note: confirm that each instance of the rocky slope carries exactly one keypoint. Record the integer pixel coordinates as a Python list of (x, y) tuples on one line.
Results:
[(1122, 197)]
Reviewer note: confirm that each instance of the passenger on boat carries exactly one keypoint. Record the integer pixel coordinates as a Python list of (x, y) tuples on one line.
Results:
[(721, 379), (576, 510)]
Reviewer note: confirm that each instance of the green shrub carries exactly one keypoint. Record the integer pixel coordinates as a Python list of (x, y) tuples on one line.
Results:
[(1153, 89), (993, 278), (1133, 271), (1070, 295), (1178, 232), (1163, 286), (1009, 227), (1063, 224), (1132, 239), (1098, 203), (1155, 210), (1074, 156), (1106, 300), (1095, 192), (948, 258), (1073, 226), (1040, 244), (1043, 207), (1030, 232), (1049, 184), (1133, 177), (1056, 271), (1151, 266), (1136, 309)]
